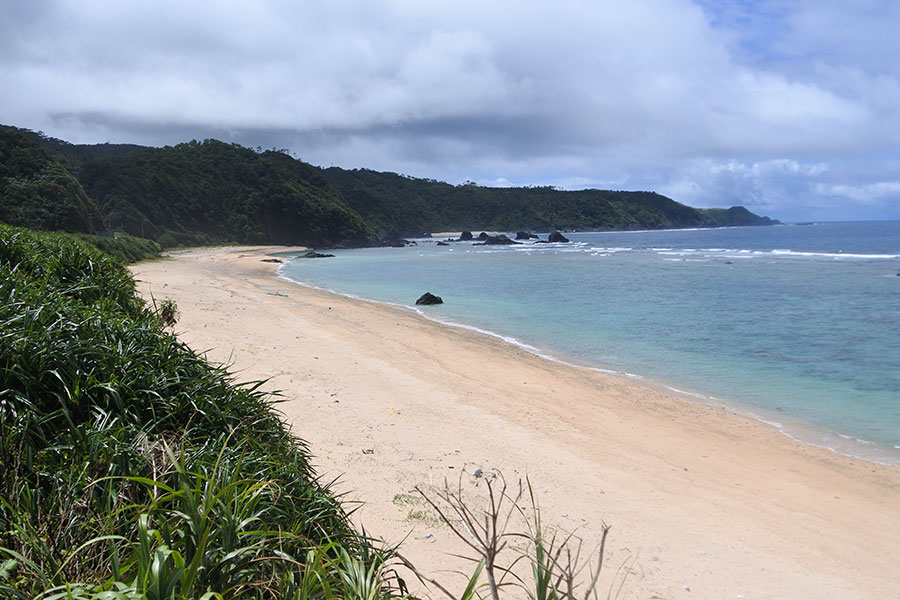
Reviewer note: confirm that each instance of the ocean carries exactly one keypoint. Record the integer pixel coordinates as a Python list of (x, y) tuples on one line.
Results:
[(795, 325)]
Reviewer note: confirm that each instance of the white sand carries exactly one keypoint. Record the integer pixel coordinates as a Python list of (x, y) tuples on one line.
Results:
[(702, 503)]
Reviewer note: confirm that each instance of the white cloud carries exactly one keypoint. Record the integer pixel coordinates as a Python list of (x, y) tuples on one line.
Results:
[(662, 94), (879, 193)]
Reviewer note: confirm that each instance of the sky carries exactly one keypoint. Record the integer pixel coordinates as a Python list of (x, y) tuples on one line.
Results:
[(789, 107)]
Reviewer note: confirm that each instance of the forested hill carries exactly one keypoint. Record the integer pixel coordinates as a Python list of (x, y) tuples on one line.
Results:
[(389, 201), (37, 191), (202, 192), (214, 192), (192, 194)]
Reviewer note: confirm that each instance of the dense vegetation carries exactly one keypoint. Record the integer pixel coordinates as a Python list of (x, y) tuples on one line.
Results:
[(212, 192), (408, 205), (72, 156), (37, 191), (132, 468), (126, 248)]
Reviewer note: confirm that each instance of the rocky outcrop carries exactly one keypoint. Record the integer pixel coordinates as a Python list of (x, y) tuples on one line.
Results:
[(556, 236), (312, 254), (496, 240), (524, 235), (465, 236), (429, 298), (393, 240)]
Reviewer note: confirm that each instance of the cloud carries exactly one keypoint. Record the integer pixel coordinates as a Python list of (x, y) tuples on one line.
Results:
[(879, 193), (791, 190), (707, 99)]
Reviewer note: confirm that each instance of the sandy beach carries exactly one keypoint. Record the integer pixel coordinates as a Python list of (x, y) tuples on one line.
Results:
[(702, 503)]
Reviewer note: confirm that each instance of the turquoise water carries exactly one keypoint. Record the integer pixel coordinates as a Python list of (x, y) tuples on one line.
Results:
[(797, 325)]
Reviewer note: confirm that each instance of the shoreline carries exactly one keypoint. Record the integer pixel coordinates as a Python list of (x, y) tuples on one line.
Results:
[(698, 497), (794, 428)]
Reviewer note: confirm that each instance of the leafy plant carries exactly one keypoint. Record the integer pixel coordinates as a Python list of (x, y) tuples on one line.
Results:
[(132, 468)]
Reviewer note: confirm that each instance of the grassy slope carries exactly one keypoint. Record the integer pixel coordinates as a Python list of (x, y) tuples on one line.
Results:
[(126, 248), (130, 465)]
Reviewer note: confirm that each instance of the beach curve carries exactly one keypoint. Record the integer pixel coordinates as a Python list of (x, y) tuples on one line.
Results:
[(703, 503)]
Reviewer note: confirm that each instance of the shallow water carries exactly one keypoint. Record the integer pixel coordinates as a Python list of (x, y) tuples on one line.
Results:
[(797, 325)]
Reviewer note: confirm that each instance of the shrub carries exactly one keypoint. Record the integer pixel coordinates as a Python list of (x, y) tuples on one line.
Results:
[(129, 462)]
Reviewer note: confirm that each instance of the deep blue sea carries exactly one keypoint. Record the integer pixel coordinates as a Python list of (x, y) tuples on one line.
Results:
[(797, 325)]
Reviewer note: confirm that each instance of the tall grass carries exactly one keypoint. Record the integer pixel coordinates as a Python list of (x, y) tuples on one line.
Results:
[(132, 468), (124, 247), (510, 545)]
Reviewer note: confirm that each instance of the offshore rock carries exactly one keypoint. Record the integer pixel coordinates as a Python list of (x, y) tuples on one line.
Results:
[(556, 236), (465, 236), (429, 298), (312, 254), (393, 240), (496, 240), (524, 235)]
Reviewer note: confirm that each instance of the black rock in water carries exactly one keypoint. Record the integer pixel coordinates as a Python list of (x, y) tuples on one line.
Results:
[(443, 244), (312, 254), (429, 298), (465, 236), (483, 236), (524, 235), (556, 236), (497, 240), (393, 240)]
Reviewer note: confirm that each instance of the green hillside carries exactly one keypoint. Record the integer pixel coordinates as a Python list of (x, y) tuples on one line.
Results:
[(72, 156), (37, 191), (392, 202), (736, 215), (212, 192)]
